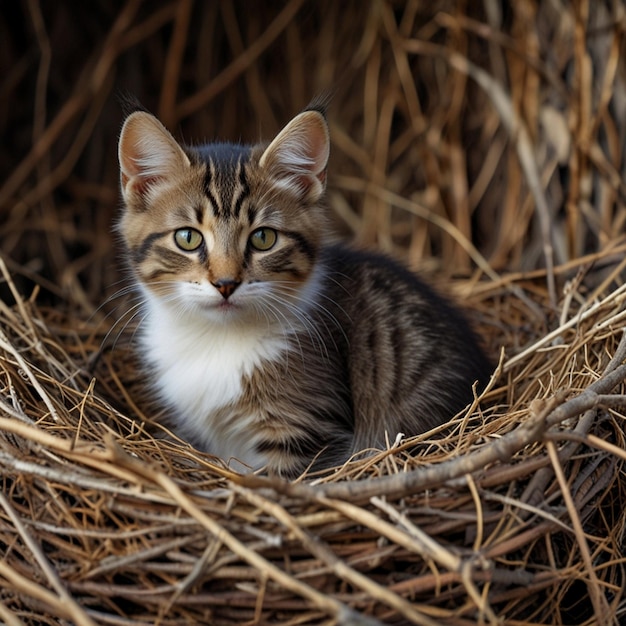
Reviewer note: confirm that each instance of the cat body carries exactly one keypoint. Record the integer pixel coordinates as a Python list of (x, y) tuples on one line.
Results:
[(270, 346)]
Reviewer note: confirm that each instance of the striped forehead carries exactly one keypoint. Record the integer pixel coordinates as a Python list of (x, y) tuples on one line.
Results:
[(225, 181)]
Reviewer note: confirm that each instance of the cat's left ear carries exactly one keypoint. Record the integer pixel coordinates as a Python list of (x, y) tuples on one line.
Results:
[(298, 156)]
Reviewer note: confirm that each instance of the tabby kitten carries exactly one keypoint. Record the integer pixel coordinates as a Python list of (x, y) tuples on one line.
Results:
[(270, 345)]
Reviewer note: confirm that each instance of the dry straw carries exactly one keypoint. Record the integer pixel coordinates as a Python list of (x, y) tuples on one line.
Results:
[(483, 144)]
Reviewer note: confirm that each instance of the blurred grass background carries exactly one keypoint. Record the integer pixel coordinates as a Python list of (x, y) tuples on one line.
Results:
[(500, 124)]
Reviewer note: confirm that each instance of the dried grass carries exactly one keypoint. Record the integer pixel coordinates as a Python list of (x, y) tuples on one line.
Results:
[(486, 150)]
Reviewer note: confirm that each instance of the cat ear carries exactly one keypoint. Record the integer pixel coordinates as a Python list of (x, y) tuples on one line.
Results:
[(147, 154), (298, 156)]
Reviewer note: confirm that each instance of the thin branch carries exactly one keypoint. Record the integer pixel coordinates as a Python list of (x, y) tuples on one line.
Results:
[(72, 609), (600, 604)]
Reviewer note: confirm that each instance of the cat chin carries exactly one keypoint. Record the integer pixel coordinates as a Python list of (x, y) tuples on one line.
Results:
[(222, 312)]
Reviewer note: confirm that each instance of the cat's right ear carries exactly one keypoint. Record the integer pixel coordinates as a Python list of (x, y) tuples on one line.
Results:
[(148, 154)]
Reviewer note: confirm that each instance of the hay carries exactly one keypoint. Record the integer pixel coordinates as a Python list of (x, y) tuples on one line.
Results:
[(516, 512), (484, 149)]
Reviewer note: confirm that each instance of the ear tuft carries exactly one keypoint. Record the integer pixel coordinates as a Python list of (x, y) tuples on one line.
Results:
[(148, 154), (298, 156)]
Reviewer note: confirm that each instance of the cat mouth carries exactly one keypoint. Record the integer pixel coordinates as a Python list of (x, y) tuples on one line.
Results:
[(225, 307)]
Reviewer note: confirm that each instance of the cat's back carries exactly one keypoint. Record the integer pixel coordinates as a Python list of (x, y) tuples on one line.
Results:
[(411, 354)]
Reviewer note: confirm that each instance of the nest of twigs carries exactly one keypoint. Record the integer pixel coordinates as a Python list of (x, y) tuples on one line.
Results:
[(484, 146)]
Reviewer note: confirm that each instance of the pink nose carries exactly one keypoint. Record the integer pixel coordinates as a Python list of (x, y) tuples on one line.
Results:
[(226, 287)]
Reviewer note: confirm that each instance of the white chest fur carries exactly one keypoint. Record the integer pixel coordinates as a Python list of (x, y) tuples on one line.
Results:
[(199, 365)]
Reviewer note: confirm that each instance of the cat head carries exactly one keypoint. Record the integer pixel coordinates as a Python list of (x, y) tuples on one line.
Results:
[(223, 230)]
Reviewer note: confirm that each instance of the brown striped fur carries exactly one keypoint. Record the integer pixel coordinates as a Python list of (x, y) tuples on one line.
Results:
[(304, 351)]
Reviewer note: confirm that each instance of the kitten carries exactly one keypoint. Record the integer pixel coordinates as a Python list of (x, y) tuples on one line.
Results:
[(268, 344)]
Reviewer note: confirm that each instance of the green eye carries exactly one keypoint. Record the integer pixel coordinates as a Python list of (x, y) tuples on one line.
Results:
[(263, 239), (188, 239)]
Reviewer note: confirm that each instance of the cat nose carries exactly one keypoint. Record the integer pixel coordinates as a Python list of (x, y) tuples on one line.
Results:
[(226, 287)]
